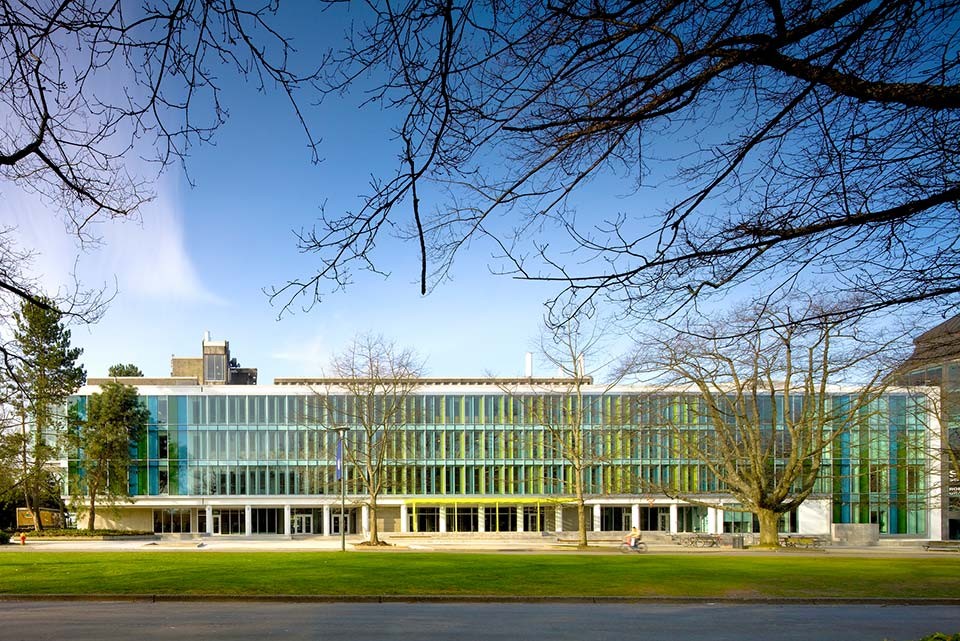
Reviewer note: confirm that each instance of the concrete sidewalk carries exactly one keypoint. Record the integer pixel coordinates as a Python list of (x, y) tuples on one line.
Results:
[(427, 544)]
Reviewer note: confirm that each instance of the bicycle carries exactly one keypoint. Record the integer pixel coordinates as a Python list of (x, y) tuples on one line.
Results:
[(626, 548)]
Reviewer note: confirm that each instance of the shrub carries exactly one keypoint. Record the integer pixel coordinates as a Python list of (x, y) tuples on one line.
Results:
[(4, 537), (71, 533)]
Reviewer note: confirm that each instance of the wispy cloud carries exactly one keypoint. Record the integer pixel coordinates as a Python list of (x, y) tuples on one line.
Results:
[(147, 259), (311, 353)]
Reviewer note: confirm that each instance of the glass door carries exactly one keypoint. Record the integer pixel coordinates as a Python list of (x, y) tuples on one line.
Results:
[(303, 524), (339, 521)]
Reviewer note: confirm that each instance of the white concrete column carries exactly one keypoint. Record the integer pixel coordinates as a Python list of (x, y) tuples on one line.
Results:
[(365, 518), (558, 518), (209, 511), (814, 516), (248, 519), (326, 526), (519, 518), (287, 516), (635, 515), (674, 519), (194, 525), (715, 520), (596, 518), (481, 519), (443, 518), (937, 479), (404, 519)]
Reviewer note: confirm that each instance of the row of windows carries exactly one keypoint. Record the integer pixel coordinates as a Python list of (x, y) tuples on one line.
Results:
[(497, 409), (234, 444), (240, 480), (891, 518), (535, 479), (426, 518), (895, 515)]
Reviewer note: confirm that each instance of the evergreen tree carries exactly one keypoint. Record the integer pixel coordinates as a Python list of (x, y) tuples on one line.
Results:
[(114, 421), (121, 369), (45, 375)]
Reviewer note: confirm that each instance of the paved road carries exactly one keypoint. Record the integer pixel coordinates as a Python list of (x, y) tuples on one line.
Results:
[(143, 621)]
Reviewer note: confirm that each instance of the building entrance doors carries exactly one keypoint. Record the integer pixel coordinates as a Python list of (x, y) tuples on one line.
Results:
[(303, 524), (663, 521), (339, 521)]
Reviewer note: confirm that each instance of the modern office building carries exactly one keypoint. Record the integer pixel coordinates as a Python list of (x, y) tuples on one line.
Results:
[(471, 455), (935, 362)]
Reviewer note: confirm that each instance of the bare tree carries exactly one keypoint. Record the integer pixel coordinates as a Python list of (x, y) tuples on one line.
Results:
[(372, 379), (564, 407), (88, 90), (760, 410), (793, 141), (91, 88)]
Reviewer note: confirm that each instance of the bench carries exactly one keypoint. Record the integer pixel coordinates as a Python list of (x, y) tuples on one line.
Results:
[(697, 540), (942, 546), (802, 541)]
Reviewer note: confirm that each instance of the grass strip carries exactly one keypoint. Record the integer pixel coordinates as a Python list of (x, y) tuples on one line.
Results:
[(412, 574)]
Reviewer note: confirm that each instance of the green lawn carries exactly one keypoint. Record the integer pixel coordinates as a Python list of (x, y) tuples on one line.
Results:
[(375, 573)]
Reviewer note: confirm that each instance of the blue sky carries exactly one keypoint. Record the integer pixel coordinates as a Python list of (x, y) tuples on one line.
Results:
[(202, 255)]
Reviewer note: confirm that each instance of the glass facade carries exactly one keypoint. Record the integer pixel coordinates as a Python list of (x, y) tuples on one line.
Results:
[(945, 375), (255, 443)]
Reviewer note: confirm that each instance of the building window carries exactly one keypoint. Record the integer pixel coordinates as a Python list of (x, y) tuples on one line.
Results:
[(267, 520), (215, 367), (424, 519), (534, 519), (616, 518), (500, 519), (171, 521), (462, 519)]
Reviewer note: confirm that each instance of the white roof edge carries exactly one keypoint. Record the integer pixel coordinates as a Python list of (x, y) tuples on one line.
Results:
[(305, 390)]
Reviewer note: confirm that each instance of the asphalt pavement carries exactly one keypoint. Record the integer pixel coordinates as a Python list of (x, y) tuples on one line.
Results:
[(244, 621)]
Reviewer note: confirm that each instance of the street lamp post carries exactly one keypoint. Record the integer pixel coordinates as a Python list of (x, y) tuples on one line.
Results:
[(341, 431)]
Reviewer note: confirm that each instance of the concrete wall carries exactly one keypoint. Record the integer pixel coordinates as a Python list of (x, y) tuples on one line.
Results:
[(188, 366), (858, 534), (388, 518), (570, 517), (126, 519)]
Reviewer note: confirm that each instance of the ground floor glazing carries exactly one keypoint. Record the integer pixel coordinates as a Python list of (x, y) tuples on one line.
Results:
[(425, 516)]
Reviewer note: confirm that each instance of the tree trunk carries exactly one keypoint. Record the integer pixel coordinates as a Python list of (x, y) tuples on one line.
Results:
[(769, 520), (374, 538), (32, 504), (35, 508), (581, 507), (32, 493), (91, 517), (581, 523), (29, 505)]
